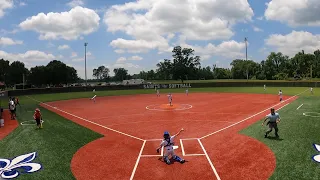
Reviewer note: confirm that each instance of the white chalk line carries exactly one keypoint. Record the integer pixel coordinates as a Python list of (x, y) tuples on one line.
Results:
[(299, 106), (89, 120), (251, 116), (209, 160), (182, 149), (138, 159)]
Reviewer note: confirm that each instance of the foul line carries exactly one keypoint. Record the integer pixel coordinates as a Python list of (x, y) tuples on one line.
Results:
[(210, 162), (299, 106), (87, 120), (251, 116), (138, 159)]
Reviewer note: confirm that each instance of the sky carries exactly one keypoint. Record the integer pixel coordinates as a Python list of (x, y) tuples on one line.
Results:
[(138, 34)]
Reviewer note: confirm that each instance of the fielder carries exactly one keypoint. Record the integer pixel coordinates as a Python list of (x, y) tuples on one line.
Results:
[(158, 93), (264, 87), (168, 143), (170, 99), (274, 119), (94, 98), (187, 92), (38, 118), (311, 90), (280, 95)]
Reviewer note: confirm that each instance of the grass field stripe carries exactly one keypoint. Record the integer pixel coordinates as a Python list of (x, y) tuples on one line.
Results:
[(250, 116), (138, 159), (300, 106), (183, 153), (210, 162), (89, 120)]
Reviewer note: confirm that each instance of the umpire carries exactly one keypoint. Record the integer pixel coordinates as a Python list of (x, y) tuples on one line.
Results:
[(274, 119)]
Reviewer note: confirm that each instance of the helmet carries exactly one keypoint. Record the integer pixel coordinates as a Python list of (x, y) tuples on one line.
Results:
[(37, 110), (166, 135)]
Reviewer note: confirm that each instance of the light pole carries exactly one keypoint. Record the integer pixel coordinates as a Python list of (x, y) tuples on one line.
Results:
[(85, 62), (246, 40)]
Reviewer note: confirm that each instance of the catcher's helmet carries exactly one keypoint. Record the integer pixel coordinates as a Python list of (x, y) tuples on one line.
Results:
[(166, 135)]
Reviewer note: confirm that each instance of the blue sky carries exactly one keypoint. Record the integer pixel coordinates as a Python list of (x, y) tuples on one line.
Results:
[(137, 35)]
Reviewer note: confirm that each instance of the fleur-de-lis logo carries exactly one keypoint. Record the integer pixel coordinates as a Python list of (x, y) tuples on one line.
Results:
[(9, 168), (316, 157)]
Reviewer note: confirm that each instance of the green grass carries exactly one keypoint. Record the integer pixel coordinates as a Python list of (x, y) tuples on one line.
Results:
[(297, 134), (61, 138)]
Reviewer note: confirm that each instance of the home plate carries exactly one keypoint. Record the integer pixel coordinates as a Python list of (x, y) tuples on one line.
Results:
[(175, 147)]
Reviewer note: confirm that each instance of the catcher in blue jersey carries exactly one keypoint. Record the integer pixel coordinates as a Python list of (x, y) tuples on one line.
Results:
[(168, 143)]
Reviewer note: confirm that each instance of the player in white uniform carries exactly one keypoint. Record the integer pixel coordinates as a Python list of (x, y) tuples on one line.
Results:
[(158, 93), (264, 87), (170, 99), (187, 92), (311, 90), (168, 143), (280, 95)]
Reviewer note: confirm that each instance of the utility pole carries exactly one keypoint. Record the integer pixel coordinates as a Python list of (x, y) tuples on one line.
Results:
[(246, 40), (85, 62)]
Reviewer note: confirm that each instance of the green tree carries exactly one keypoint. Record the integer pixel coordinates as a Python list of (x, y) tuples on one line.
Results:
[(184, 63), (120, 74), (16, 73), (101, 73), (4, 71), (38, 76)]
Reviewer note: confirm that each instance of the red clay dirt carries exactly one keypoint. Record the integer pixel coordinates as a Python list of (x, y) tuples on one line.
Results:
[(114, 156), (9, 125)]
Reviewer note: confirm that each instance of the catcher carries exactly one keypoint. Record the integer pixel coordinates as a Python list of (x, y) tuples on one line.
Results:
[(168, 143), (274, 119)]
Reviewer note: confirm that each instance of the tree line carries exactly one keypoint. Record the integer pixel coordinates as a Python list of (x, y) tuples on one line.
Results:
[(184, 65)]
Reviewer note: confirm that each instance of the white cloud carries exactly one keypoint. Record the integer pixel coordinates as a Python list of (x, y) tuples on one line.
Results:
[(256, 29), (119, 51), (153, 23), (5, 4), (295, 42), (121, 60), (4, 32), (135, 58), (75, 3), (32, 56), (229, 49), (62, 47), (260, 18), (65, 25), (294, 12), (22, 4), (4, 41), (73, 55)]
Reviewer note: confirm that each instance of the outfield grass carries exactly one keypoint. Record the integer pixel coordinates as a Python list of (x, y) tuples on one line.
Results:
[(61, 138), (297, 134)]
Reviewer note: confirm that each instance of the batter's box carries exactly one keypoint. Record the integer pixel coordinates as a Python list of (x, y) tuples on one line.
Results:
[(191, 147), (150, 148)]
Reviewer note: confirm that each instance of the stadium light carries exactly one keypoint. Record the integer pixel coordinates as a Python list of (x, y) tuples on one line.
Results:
[(85, 62)]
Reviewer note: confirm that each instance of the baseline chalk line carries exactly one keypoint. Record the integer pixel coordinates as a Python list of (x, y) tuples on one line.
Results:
[(88, 120), (300, 106), (252, 116)]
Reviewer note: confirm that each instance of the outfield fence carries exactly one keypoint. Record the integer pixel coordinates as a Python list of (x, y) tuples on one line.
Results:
[(31, 91)]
